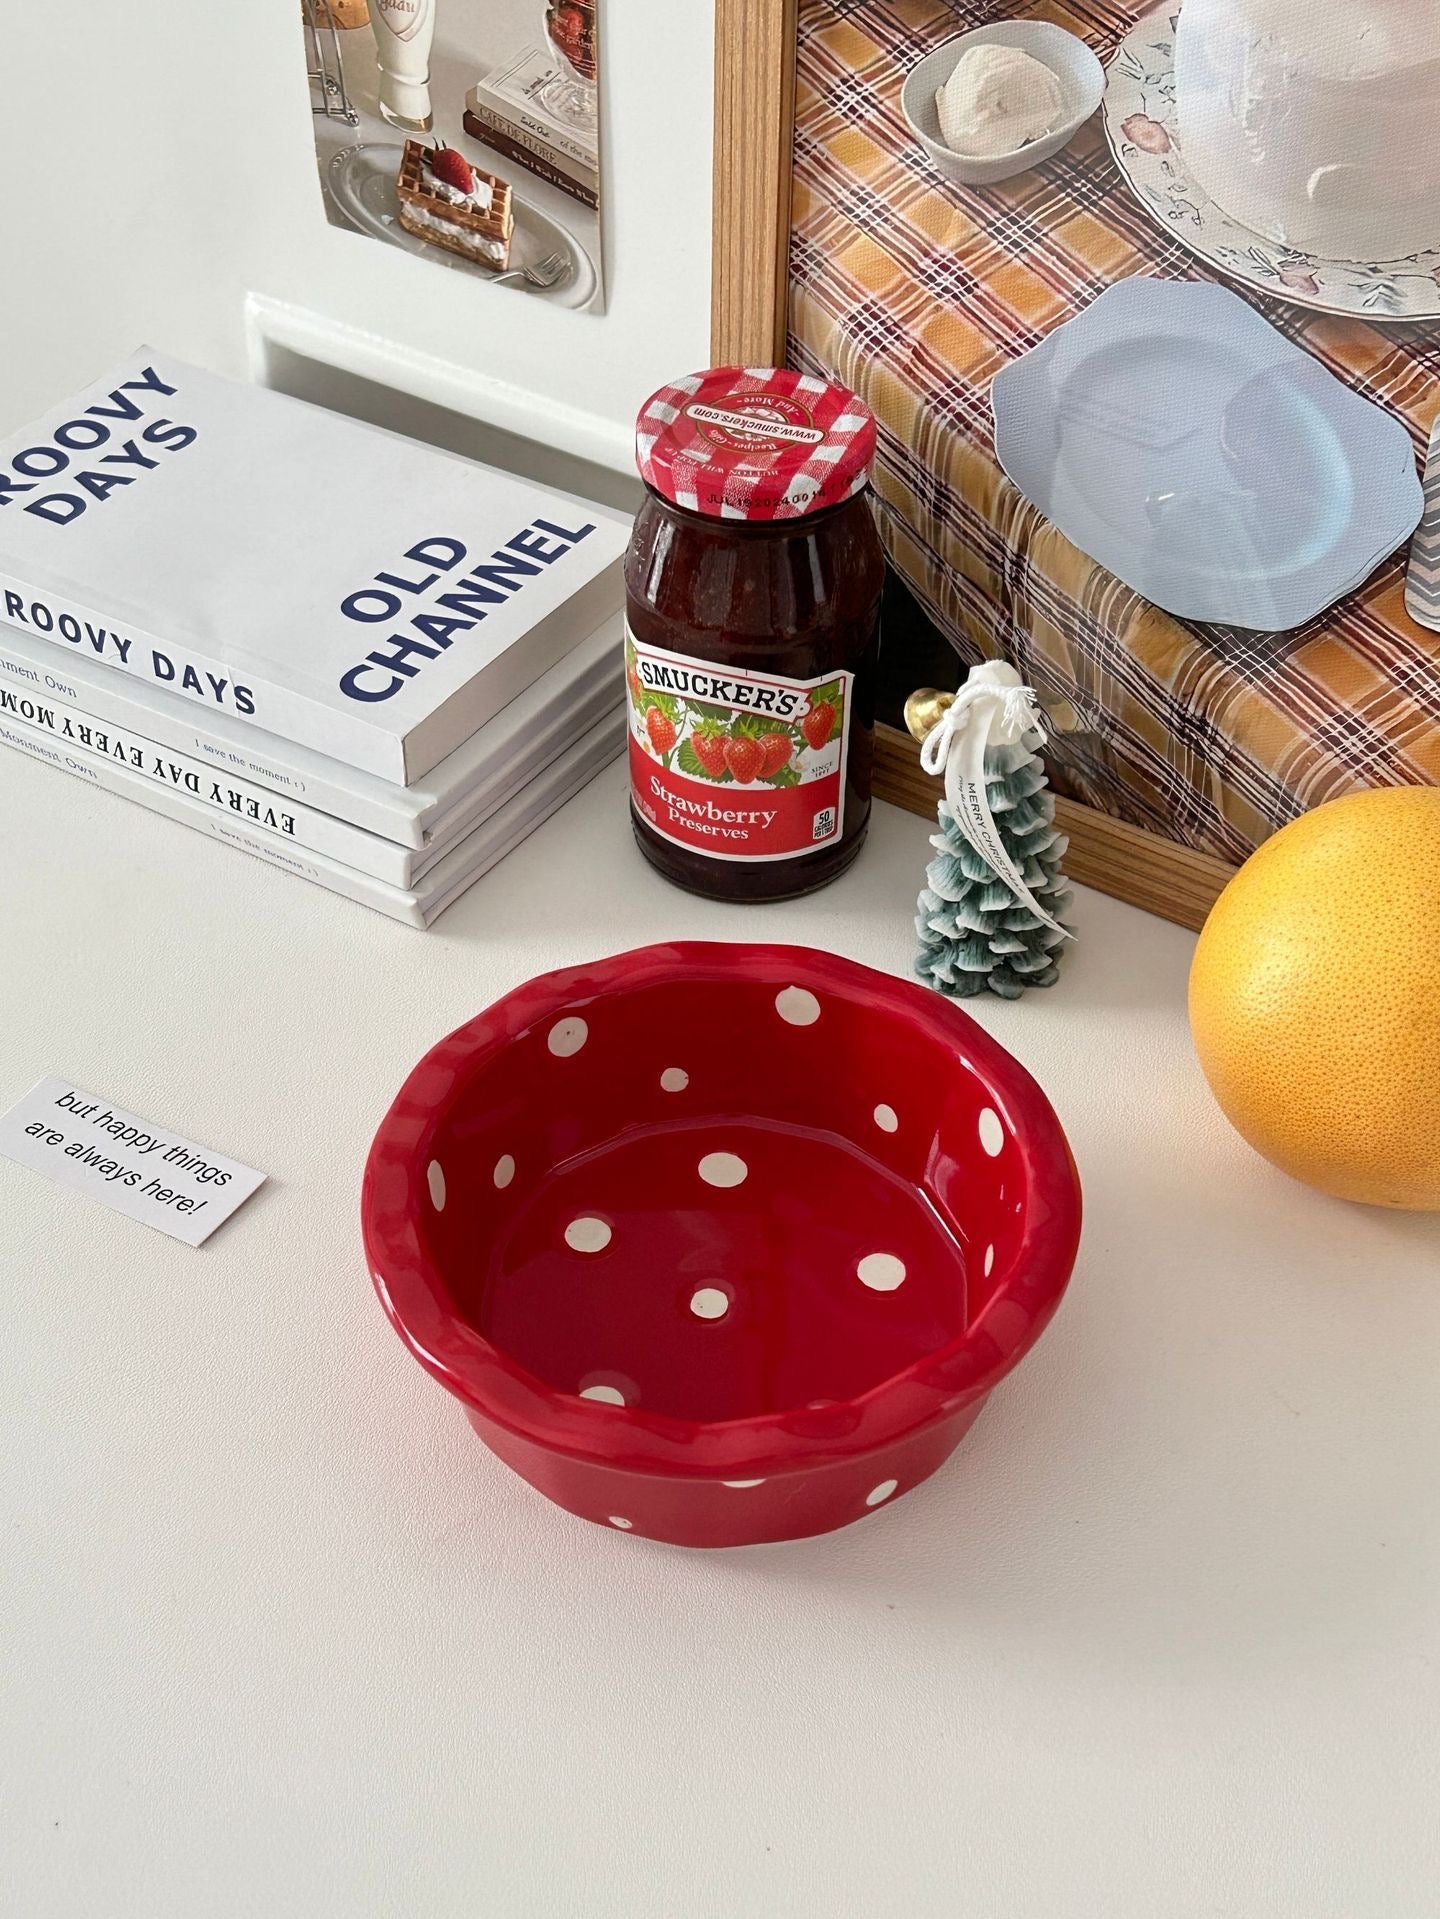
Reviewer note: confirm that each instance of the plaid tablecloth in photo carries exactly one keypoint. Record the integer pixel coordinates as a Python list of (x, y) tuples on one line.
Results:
[(916, 292)]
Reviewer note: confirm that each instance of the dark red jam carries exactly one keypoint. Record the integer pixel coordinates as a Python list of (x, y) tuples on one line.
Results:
[(753, 585)]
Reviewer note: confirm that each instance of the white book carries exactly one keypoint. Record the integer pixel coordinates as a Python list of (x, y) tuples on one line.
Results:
[(419, 905), (275, 817), (466, 785), (350, 590)]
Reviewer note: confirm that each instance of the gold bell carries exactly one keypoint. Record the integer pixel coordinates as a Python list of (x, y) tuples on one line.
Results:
[(925, 709)]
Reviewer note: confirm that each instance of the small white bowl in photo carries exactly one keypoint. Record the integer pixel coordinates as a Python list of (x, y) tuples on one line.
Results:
[(1079, 72)]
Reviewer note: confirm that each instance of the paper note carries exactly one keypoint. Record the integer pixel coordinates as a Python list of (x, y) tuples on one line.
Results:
[(148, 1172)]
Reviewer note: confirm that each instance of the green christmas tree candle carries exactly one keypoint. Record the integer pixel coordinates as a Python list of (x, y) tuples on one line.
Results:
[(991, 917)]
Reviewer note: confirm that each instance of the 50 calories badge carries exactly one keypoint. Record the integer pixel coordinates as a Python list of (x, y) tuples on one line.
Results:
[(733, 763)]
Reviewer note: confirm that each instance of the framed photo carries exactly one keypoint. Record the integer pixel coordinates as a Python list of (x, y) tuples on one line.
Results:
[(466, 133)]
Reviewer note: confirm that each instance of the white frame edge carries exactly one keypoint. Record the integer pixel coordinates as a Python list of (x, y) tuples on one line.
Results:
[(272, 323)]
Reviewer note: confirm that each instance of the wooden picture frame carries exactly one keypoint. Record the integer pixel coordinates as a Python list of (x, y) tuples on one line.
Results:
[(754, 131)]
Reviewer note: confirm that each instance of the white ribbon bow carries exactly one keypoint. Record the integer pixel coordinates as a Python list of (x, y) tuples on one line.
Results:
[(993, 708)]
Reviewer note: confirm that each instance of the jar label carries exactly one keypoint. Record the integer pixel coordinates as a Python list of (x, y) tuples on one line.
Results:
[(736, 764)]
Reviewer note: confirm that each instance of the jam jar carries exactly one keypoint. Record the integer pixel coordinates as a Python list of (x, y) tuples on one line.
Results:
[(752, 586)]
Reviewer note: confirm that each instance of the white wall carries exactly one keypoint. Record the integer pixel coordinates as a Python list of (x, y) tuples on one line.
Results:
[(174, 140)]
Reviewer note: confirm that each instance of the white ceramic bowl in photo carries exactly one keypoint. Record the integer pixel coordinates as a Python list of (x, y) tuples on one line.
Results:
[(1068, 58)]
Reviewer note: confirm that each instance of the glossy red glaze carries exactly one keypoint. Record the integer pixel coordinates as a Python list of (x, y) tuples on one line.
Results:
[(793, 1279)]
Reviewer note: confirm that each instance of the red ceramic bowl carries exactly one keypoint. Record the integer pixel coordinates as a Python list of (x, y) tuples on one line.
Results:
[(720, 1244)]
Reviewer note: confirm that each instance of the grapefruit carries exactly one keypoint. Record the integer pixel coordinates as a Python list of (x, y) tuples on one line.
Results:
[(1315, 998)]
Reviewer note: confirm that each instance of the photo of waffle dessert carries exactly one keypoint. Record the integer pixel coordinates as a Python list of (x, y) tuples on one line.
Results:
[(464, 133), (450, 203)]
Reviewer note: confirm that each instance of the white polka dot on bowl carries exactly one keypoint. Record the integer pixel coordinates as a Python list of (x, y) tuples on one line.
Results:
[(603, 1395), (797, 1006), (623, 1524), (881, 1272), (989, 1261), (504, 1170), (709, 1302), (435, 1180), (879, 1494), (992, 1133), (567, 1036), (887, 1119), (587, 1235), (741, 1485), (724, 1169), (674, 1079)]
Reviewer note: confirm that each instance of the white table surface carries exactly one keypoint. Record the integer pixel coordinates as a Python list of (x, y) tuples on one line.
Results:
[(280, 1638)]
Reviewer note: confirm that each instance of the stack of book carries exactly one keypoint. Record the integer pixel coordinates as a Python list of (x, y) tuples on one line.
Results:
[(505, 111), (372, 664)]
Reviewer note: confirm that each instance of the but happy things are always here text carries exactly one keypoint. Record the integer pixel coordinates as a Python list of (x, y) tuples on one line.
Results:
[(148, 1172)]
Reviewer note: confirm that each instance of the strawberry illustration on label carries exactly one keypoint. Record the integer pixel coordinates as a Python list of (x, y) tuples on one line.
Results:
[(818, 724), (775, 750), (744, 757), (720, 759), (710, 751), (661, 729)]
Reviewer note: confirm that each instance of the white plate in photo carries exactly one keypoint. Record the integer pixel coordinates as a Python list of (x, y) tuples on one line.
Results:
[(1184, 443), (1140, 124), (361, 182)]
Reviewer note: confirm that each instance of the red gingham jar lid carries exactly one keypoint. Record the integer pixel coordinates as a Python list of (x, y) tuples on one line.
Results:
[(754, 443)]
